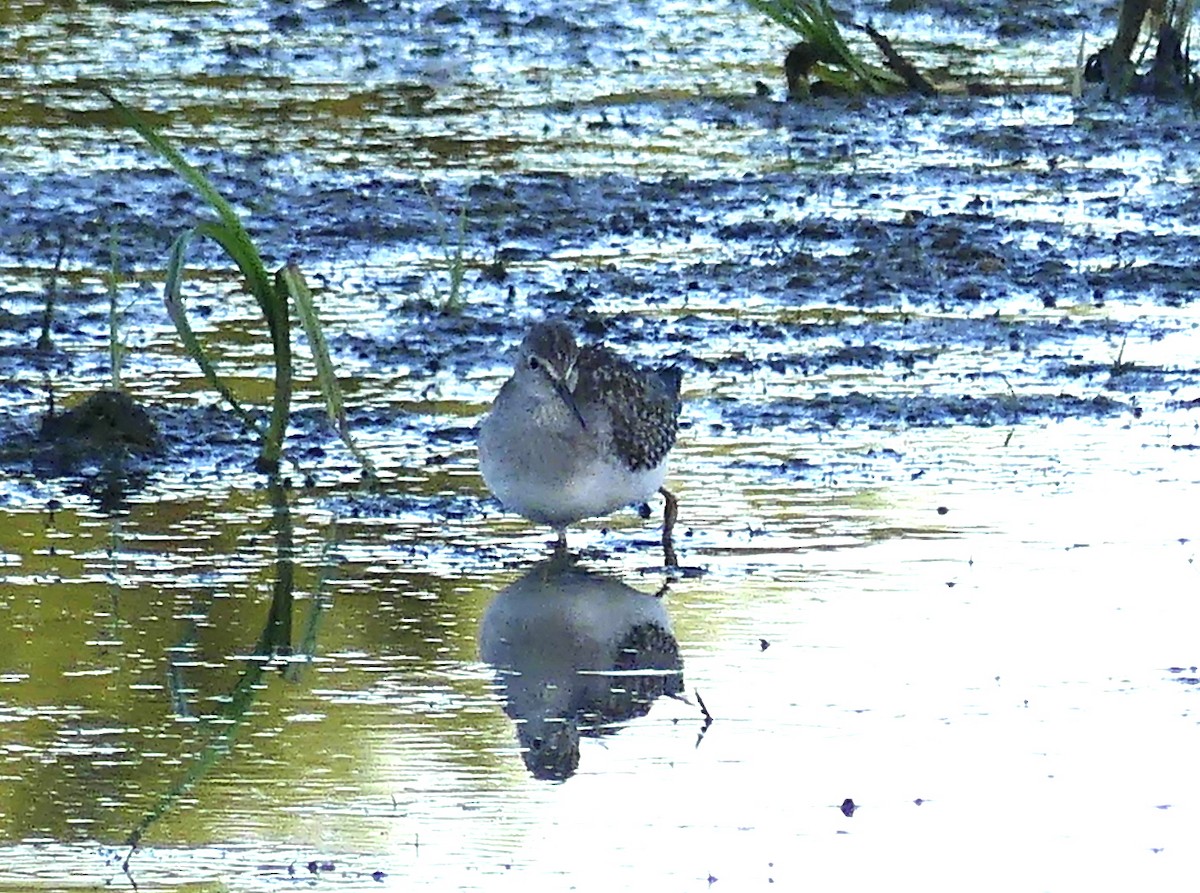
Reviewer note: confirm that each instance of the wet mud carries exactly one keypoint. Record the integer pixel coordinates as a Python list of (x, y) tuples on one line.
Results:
[(971, 293)]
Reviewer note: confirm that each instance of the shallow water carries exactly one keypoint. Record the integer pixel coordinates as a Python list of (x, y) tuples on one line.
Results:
[(1018, 664), (938, 465)]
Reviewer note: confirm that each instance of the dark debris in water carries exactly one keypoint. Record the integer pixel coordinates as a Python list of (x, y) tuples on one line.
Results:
[(107, 421), (105, 446), (109, 445), (1184, 675), (105, 428)]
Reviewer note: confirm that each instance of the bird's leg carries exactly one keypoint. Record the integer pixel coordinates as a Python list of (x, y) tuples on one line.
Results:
[(670, 513)]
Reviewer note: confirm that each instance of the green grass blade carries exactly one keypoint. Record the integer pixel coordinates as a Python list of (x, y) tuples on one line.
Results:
[(242, 252), (231, 234), (173, 299), (290, 281), (196, 179), (116, 348), (815, 22), (273, 304)]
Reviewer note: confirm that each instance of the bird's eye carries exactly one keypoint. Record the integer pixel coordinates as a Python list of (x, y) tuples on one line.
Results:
[(535, 363)]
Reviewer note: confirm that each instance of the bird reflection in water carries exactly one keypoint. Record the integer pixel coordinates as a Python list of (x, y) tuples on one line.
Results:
[(576, 653)]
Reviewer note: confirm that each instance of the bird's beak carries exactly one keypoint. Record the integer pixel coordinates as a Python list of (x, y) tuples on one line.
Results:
[(560, 387)]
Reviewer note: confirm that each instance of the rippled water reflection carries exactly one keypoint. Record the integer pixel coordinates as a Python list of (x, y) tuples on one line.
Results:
[(994, 661)]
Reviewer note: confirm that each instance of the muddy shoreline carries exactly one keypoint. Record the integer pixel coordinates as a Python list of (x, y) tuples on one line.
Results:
[(911, 277), (866, 263)]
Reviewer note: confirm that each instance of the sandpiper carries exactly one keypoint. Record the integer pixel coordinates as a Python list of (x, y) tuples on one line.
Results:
[(579, 432)]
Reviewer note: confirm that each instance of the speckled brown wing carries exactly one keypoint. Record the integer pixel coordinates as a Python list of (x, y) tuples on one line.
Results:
[(643, 404)]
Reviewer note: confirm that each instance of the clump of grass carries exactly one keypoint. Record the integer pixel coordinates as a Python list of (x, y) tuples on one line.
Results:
[(822, 44), (273, 295)]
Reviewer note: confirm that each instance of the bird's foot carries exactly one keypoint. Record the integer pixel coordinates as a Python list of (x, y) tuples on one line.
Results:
[(670, 515)]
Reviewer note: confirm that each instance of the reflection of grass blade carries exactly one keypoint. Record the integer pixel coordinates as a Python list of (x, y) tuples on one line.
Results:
[(274, 641), (173, 299), (230, 722), (276, 636), (321, 601), (290, 281)]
